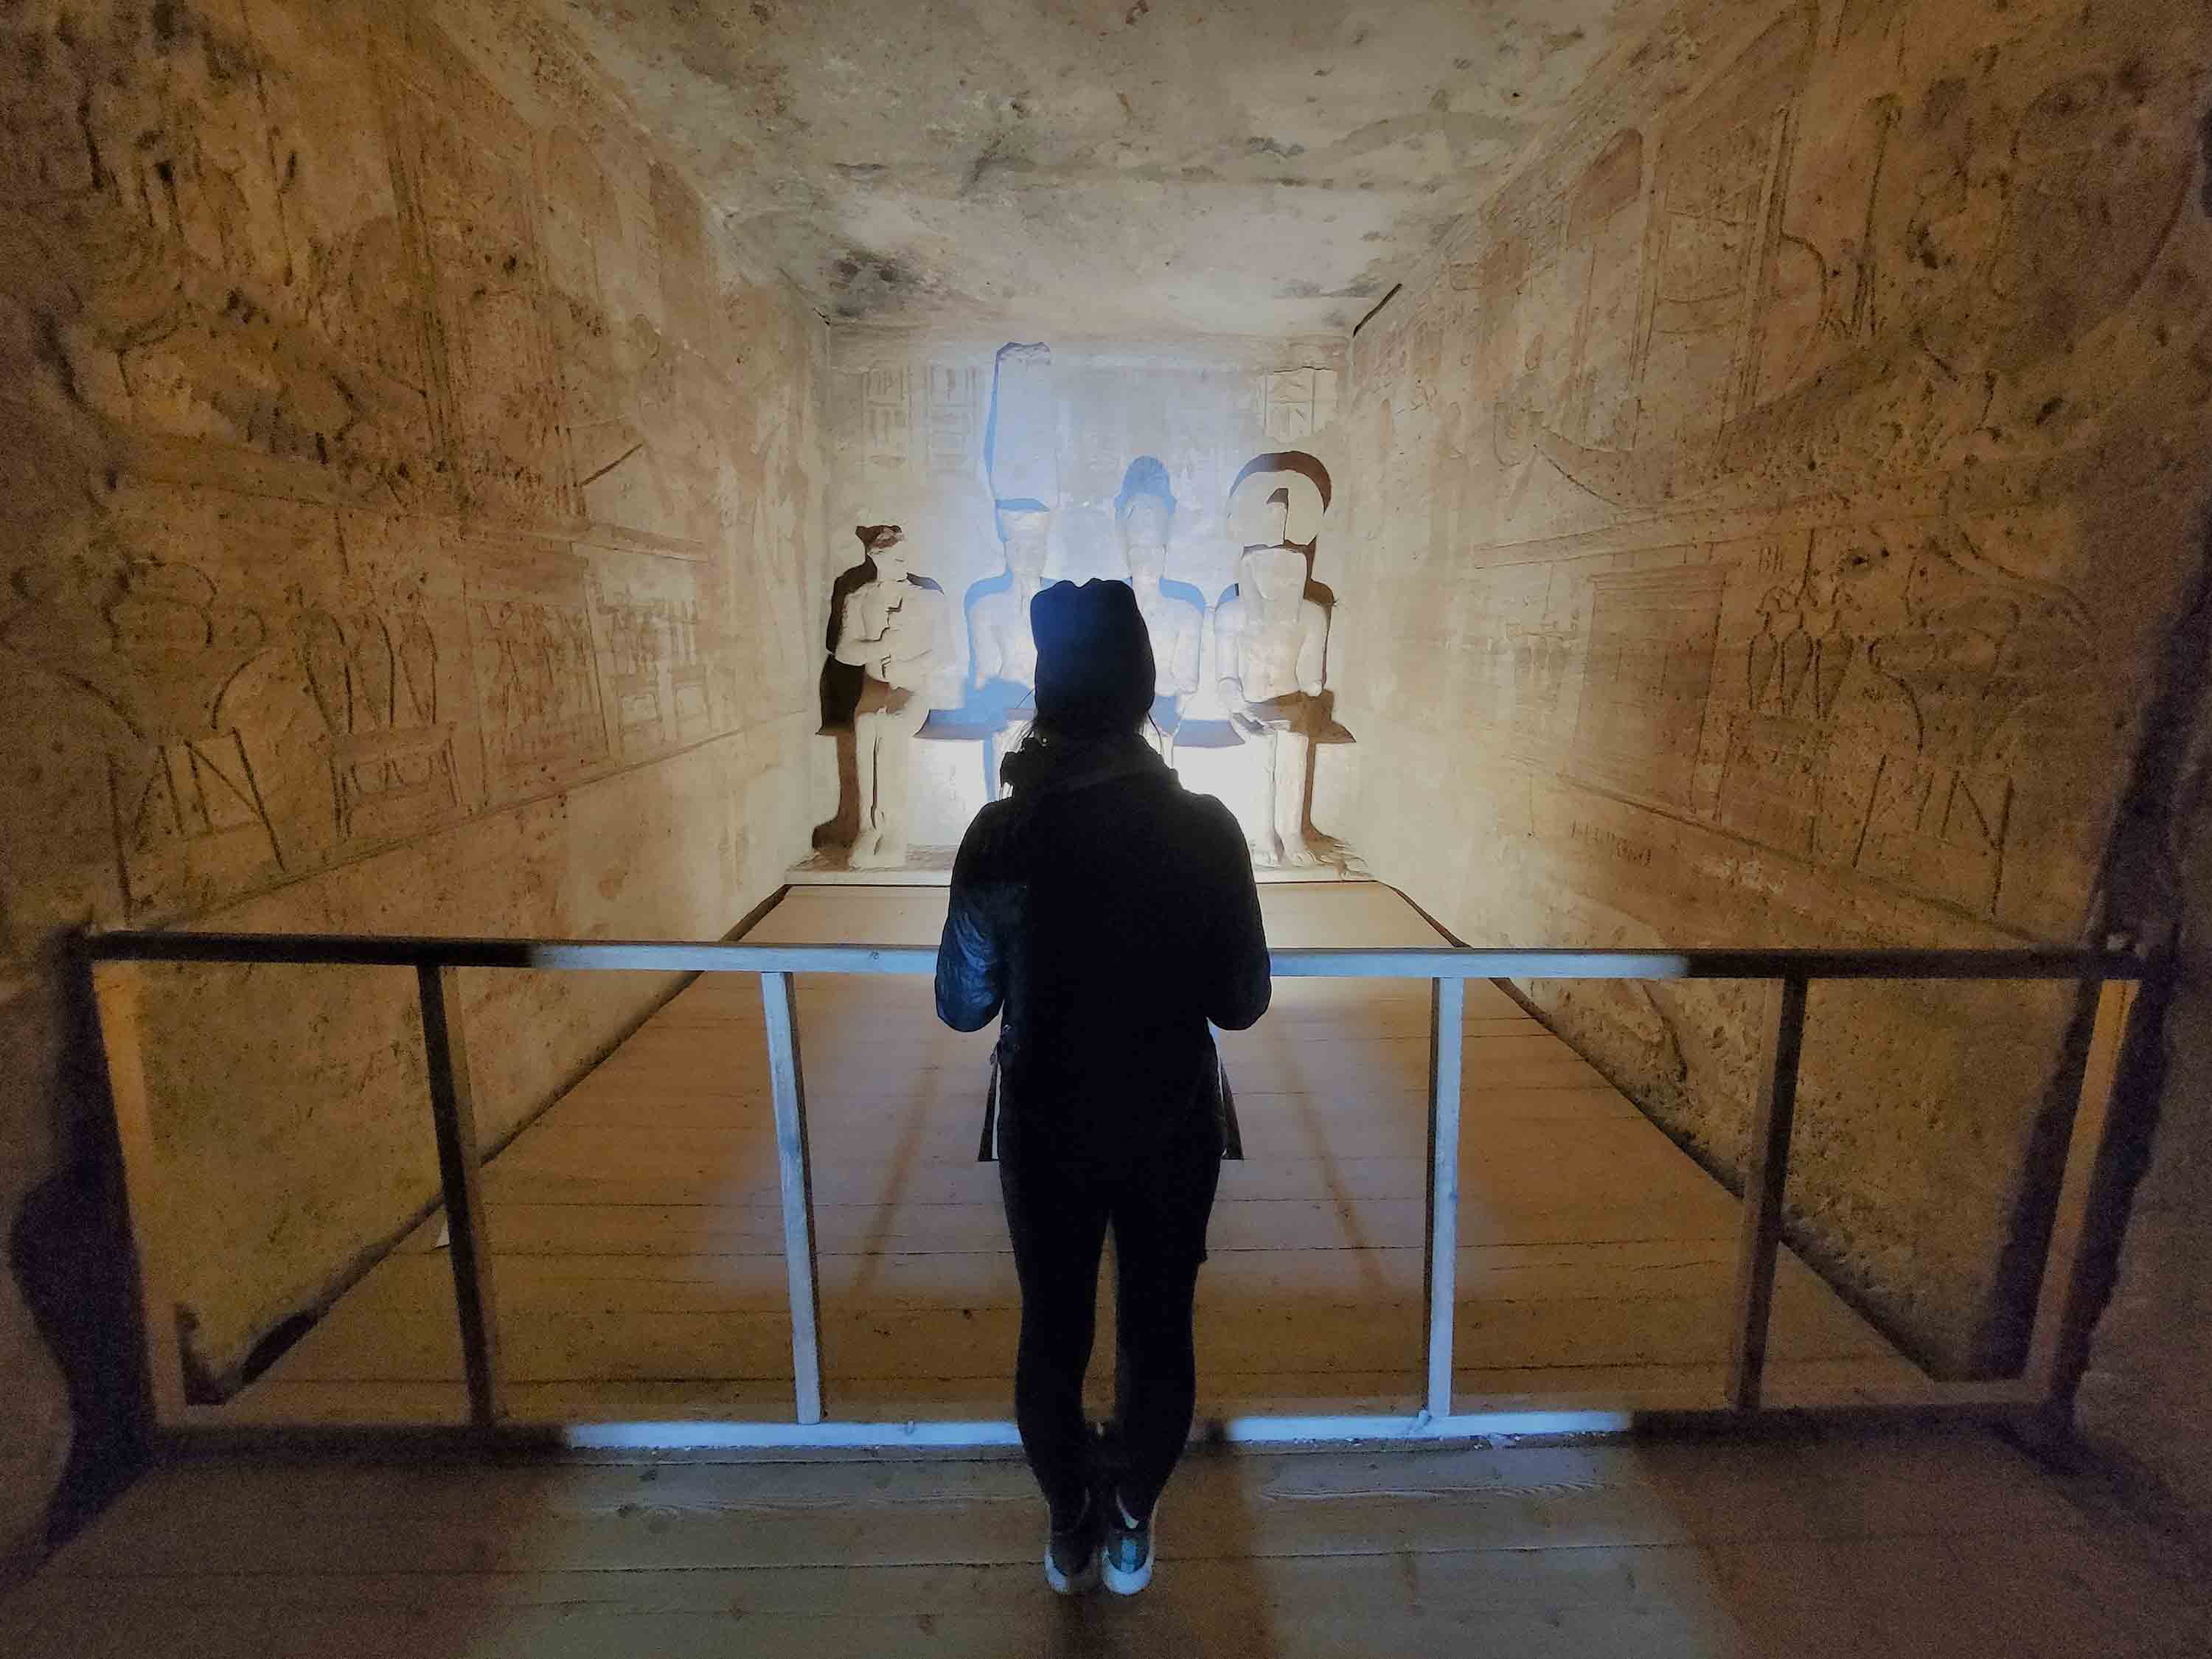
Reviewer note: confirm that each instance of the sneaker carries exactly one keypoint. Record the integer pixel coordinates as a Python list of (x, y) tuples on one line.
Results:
[(1070, 1558), (1128, 1550)]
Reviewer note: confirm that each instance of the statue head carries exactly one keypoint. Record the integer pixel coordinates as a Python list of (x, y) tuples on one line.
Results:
[(1277, 575), (885, 546), (1145, 512), (1277, 500), (1026, 526)]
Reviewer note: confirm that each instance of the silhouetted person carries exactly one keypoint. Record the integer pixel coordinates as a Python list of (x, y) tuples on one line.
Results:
[(1107, 915)]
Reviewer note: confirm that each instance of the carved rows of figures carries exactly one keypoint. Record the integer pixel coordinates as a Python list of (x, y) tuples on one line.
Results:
[(241, 733), (1838, 273), (1873, 698), (359, 265), (1838, 261)]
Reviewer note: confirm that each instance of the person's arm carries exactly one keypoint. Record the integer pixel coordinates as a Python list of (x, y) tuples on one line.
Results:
[(1228, 653), (1240, 984), (1188, 638), (983, 636), (972, 969)]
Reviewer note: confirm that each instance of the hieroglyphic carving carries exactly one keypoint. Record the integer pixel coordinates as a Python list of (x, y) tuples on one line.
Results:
[(626, 262), (159, 644), (953, 435), (463, 162), (1717, 189), (536, 673), (374, 677), (1596, 403), (1296, 403), (885, 435), (1884, 693), (229, 277), (659, 688), (1610, 843), (184, 810), (1647, 680)]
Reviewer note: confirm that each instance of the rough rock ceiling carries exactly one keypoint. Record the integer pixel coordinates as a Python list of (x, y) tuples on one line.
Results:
[(1145, 167)]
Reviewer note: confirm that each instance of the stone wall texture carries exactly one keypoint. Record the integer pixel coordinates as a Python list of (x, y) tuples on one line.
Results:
[(412, 511), (1770, 515)]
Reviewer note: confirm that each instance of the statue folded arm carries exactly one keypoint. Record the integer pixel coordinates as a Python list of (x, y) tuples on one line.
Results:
[(1313, 648), (1229, 653)]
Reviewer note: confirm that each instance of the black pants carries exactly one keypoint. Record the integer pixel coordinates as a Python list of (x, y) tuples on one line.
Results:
[(1060, 1198)]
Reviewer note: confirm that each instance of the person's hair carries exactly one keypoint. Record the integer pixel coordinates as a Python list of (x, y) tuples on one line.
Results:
[(1042, 746)]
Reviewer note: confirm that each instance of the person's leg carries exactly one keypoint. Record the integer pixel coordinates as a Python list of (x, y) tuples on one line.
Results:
[(1058, 1224), (1159, 1239)]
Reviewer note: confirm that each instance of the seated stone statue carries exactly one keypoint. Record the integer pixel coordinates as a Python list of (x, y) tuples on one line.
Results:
[(1271, 644), (1001, 651), (1175, 617)]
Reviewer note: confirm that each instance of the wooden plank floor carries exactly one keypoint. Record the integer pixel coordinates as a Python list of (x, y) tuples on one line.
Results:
[(1838, 1549), (636, 1237)]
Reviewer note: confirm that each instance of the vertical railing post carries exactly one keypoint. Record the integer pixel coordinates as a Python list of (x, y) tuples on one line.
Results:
[(1447, 1024), (115, 997), (787, 1086), (1766, 1169), (453, 1110), (2062, 1303)]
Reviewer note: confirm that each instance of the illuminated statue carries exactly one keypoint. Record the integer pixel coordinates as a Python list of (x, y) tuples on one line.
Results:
[(1021, 474), (999, 622), (1175, 620), (1271, 641), (892, 626)]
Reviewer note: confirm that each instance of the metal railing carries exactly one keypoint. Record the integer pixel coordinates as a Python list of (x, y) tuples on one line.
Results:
[(113, 958)]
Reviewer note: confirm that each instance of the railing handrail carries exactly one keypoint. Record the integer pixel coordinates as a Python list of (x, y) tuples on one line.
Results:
[(1361, 962), (2062, 1308)]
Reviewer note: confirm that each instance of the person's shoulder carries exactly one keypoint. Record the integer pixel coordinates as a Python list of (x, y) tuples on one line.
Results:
[(986, 837), (1212, 816)]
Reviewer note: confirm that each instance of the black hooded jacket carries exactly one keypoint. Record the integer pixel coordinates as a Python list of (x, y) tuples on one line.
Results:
[(1108, 914)]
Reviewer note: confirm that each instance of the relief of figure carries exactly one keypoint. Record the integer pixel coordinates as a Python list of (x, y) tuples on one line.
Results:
[(1174, 614), (1021, 473), (890, 637), (1271, 644)]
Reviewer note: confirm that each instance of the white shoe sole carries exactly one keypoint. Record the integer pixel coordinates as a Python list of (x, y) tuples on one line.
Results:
[(1128, 1583), (1081, 1583)]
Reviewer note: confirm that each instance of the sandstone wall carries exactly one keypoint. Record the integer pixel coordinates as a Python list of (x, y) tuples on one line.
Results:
[(1768, 517), (909, 410), (412, 524)]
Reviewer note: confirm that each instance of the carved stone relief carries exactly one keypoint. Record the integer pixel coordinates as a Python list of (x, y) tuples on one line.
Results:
[(654, 663), (1647, 680), (538, 694), (463, 162)]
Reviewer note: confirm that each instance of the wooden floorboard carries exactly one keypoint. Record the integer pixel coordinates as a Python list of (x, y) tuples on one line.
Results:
[(1865, 1548), (636, 1233)]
